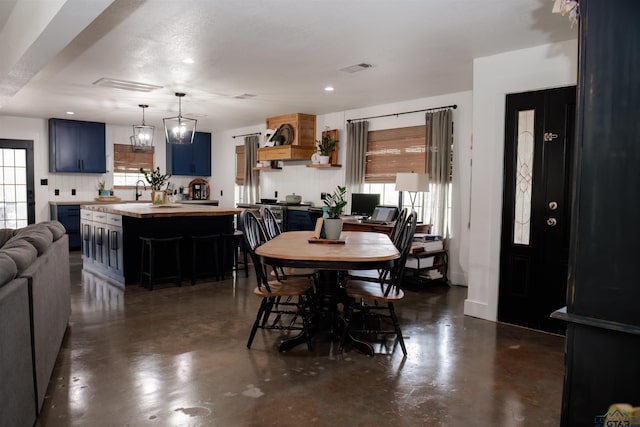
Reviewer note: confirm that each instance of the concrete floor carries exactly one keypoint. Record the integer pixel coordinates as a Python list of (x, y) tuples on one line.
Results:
[(177, 357)]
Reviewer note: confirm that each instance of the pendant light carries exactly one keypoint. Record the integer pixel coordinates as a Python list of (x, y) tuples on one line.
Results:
[(179, 130), (142, 139)]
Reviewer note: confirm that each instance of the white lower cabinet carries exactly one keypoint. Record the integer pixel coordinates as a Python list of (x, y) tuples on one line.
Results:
[(102, 243)]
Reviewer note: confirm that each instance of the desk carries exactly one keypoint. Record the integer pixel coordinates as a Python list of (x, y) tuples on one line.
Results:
[(367, 226), (362, 251), (348, 225)]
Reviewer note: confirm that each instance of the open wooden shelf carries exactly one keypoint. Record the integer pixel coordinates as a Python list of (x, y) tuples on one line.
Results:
[(323, 166), (266, 168)]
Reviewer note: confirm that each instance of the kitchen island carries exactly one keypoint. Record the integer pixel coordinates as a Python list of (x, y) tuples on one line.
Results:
[(111, 234)]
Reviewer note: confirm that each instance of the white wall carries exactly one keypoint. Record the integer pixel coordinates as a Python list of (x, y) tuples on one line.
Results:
[(541, 67), (295, 177)]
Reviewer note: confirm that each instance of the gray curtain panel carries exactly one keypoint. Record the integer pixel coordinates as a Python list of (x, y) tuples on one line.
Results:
[(439, 138), (251, 177), (356, 155)]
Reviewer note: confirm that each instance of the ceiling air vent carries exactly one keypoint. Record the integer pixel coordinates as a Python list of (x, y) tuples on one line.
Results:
[(126, 85), (244, 96), (355, 68)]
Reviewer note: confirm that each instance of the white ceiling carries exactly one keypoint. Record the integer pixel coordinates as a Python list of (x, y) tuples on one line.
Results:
[(282, 51)]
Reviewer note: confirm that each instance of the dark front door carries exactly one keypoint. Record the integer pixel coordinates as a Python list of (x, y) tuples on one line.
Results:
[(539, 141), (17, 197)]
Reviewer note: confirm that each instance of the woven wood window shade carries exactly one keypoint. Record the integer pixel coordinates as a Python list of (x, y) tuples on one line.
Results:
[(394, 150), (127, 161), (240, 164)]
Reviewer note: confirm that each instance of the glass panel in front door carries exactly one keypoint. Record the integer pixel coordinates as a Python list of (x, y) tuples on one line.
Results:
[(13, 188), (524, 178)]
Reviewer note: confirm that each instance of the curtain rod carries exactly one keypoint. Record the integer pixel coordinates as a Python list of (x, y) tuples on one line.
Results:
[(454, 106), (247, 134)]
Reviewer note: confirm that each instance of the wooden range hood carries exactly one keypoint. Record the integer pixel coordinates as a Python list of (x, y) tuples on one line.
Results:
[(303, 143)]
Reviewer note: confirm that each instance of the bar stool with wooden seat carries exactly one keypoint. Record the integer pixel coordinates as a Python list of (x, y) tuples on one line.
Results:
[(205, 252), (236, 241), (156, 252)]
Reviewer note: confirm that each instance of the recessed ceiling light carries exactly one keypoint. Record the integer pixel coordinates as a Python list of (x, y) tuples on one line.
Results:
[(328, 89), (188, 61), (71, 113)]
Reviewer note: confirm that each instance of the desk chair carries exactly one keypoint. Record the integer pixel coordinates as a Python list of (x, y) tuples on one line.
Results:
[(373, 297), (298, 288)]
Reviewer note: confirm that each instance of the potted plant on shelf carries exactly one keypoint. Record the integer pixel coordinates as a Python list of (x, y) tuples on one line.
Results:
[(156, 180), (334, 203), (325, 147)]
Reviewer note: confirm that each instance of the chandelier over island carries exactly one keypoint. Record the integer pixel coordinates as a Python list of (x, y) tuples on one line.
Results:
[(179, 130), (142, 139)]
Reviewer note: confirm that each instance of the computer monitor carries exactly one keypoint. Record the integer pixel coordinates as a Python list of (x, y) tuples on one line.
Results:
[(364, 203)]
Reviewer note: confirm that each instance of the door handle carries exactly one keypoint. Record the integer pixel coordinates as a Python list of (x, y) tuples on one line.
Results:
[(552, 222)]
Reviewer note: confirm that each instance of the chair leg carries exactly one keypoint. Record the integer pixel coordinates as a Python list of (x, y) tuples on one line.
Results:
[(396, 326), (142, 264), (348, 312), (256, 323), (268, 308), (244, 258), (193, 262), (151, 266), (178, 266)]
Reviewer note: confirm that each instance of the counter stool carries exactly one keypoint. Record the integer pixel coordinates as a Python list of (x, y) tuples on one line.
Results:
[(237, 241), (158, 254), (210, 246)]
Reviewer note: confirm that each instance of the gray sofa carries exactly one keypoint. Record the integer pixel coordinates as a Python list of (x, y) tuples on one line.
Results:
[(35, 307)]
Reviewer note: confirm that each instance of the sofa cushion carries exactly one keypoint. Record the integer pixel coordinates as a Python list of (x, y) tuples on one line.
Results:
[(21, 252), (36, 234), (5, 235), (56, 228), (8, 269)]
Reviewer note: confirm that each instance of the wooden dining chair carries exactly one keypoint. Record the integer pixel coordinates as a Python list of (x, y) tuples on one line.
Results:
[(382, 275), (299, 289), (374, 299), (397, 227), (272, 229)]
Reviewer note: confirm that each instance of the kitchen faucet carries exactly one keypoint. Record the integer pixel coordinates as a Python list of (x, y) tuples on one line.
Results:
[(139, 194)]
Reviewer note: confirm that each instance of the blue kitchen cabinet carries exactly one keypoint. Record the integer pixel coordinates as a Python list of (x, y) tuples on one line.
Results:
[(190, 159), (69, 216), (77, 146), (298, 220)]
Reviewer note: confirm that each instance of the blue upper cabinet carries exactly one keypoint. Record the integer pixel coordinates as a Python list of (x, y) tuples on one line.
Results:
[(190, 159), (76, 146)]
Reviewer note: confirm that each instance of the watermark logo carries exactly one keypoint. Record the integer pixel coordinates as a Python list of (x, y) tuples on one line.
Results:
[(616, 417)]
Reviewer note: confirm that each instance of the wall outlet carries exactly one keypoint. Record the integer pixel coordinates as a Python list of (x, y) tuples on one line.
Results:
[(323, 196), (44, 181), (220, 193), (56, 192), (73, 191), (275, 194)]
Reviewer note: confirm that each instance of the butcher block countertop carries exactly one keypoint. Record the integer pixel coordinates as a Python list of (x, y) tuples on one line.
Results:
[(147, 210)]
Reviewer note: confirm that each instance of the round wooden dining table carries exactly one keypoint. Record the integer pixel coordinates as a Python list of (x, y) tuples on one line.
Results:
[(355, 251)]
